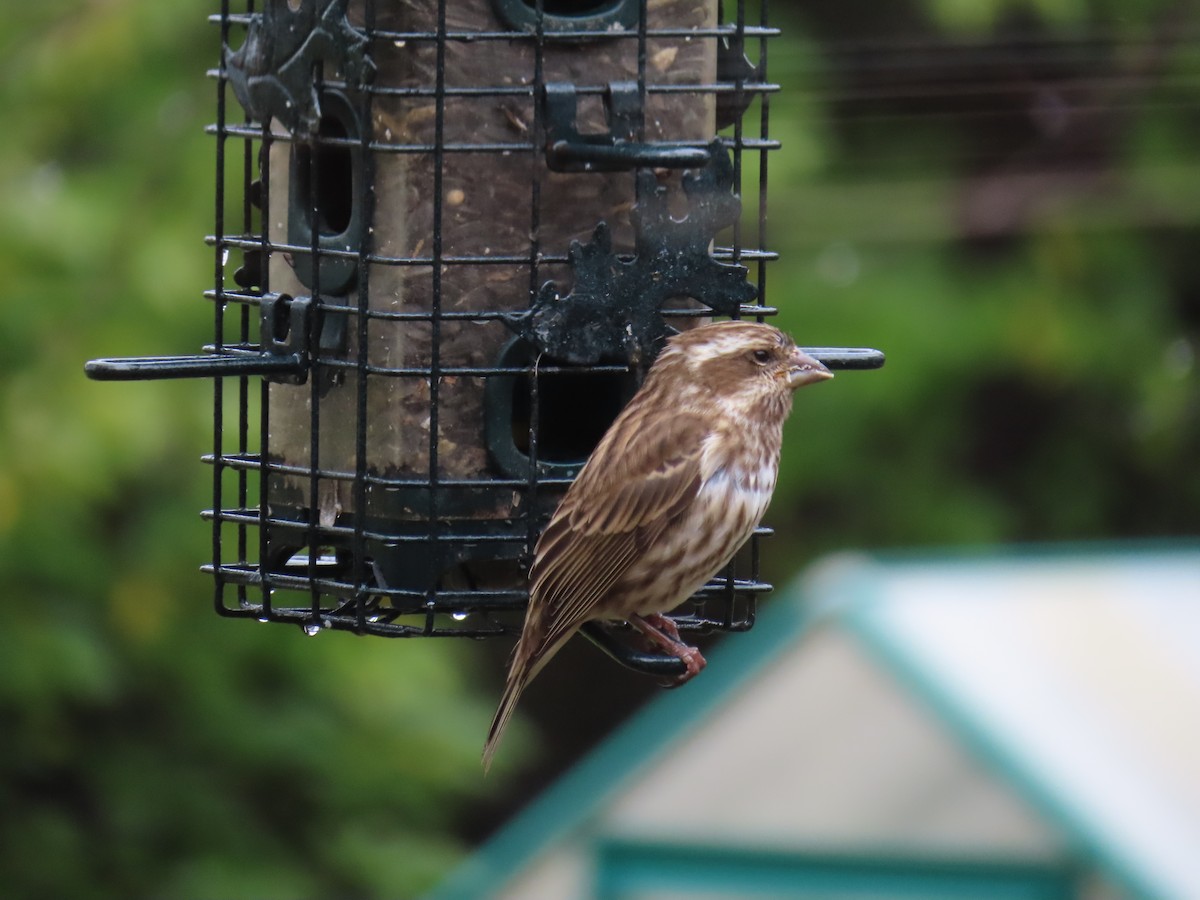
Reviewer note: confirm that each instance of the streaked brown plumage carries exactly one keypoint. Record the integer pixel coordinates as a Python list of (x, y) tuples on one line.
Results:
[(674, 488)]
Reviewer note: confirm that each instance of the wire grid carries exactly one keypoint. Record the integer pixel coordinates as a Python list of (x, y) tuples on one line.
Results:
[(279, 556)]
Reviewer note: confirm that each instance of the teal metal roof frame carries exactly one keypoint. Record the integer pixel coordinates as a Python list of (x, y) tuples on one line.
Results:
[(850, 592), (639, 868)]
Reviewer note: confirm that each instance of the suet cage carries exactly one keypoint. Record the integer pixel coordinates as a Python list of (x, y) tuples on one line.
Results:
[(449, 239)]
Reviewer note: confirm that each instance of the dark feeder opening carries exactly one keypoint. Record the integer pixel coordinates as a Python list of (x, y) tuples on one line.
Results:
[(326, 178), (280, 320), (574, 411), (334, 195), (575, 406)]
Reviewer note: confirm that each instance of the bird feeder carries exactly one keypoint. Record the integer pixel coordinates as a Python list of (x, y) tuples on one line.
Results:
[(449, 240)]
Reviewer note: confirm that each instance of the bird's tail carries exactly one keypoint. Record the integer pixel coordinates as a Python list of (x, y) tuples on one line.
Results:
[(508, 702), (528, 659)]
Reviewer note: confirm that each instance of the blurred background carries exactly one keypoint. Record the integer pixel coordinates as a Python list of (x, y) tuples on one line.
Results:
[(1001, 194)]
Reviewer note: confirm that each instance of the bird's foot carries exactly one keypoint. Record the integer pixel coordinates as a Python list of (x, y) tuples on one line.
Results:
[(664, 634), (664, 624)]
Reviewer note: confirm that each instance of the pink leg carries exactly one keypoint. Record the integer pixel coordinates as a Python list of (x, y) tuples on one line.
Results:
[(664, 633), (665, 625)]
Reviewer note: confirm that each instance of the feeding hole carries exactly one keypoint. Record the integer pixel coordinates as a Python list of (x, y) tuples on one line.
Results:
[(329, 190), (325, 178), (574, 411), (574, 408), (281, 320)]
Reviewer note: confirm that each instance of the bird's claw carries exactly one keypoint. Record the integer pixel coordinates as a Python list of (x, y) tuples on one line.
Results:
[(664, 633), (693, 661)]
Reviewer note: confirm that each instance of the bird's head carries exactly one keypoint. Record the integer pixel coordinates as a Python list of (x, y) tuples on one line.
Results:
[(746, 363)]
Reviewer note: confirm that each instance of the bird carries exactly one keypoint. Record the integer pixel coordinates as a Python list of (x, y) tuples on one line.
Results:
[(676, 485)]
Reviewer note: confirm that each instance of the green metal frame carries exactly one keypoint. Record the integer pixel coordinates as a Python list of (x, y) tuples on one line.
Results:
[(570, 804), (626, 869)]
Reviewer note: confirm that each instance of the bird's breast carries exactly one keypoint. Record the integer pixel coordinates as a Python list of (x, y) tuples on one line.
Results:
[(737, 477), (744, 492)]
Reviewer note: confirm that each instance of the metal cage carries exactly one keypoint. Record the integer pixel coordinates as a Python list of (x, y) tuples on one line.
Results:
[(449, 239)]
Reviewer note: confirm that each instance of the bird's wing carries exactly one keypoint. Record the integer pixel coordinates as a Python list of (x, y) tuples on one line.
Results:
[(635, 485)]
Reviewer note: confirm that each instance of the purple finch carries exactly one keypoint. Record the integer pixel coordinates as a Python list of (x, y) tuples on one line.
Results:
[(677, 484)]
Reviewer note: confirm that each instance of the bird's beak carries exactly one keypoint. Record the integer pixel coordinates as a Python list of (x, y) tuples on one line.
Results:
[(805, 370)]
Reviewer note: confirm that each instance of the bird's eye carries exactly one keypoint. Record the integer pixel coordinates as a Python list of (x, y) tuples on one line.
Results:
[(761, 356)]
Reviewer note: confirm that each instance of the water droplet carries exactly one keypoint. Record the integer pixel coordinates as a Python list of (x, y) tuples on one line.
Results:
[(459, 616), (263, 619), (312, 629), (224, 256)]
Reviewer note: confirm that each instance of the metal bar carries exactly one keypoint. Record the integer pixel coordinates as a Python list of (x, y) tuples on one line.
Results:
[(111, 369), (243, 484), (501, 35), (435, 301), (448, 601), (457, 146), (847, 357), (365, 199), (623, 156), (256, 241), (264, 415), (143, 368), (244, 362), (646, 663), (535, 261)]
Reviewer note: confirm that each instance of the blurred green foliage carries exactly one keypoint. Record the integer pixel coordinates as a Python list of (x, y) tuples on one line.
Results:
[(1031, 271), (1001, 195)]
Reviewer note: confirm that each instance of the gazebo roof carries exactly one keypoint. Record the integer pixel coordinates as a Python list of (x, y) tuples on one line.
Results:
[(1072, 675)]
